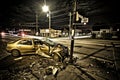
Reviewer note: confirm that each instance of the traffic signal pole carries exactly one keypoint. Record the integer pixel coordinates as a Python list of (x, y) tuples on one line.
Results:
[(72, 30)]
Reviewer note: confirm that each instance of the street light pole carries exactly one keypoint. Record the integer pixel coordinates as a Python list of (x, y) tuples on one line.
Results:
[(45, 8), (49, 23), (70, 14)]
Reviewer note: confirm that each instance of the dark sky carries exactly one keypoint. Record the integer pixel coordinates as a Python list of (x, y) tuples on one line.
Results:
[(98, 11)]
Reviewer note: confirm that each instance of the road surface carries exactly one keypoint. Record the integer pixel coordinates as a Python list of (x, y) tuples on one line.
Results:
[(96, 59)]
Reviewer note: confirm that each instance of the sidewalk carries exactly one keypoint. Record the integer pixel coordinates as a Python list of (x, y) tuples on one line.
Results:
[(117, 60), (97, 67)]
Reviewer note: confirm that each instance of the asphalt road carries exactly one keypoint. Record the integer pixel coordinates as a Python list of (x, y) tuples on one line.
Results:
[(100, 58)]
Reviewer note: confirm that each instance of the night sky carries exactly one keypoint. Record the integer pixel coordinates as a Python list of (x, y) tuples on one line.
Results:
[(21, 11)]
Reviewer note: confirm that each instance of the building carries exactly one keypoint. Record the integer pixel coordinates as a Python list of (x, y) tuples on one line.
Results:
[(53, 33), (106, 31)]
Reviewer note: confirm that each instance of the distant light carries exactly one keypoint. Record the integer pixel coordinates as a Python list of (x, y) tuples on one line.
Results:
[(2, 33), (22, 34), (118, 29), (45, 8), (37, 33), (47, 30), (48, 14), (84, 23)]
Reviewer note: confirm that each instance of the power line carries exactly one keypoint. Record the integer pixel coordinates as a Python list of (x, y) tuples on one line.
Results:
[(60, 15)]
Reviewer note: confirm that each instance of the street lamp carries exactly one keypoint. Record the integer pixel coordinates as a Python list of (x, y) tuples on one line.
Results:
[(45, 8)]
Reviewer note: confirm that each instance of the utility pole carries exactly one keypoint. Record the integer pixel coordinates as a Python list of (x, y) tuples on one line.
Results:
[(70, 16), (36, 23), (72, 32), (49, 23)]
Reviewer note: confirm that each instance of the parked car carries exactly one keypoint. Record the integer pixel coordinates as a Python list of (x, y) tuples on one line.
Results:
[(4, 34), (44, 47)]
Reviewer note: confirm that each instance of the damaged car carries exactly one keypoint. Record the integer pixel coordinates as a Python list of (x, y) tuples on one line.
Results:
[(44, 47)]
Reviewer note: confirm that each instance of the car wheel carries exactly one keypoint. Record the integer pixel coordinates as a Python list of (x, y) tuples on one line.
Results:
[(15, 53)]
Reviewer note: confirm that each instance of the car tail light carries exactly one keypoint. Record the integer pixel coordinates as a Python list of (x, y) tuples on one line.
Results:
[(22, 34)]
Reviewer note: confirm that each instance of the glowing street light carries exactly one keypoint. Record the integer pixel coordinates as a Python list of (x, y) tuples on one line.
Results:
[(45, 8)]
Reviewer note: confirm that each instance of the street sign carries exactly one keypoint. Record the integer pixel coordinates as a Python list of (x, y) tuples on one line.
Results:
[(84, 20)]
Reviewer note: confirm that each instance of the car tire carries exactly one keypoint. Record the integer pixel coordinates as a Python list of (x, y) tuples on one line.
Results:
[(15, 53)]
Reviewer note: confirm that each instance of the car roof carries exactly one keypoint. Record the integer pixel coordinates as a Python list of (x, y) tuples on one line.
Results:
[(28, 38)]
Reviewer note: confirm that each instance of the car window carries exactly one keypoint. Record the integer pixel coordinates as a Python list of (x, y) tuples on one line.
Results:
[(48, 41), (13, 41), (37, 42), (25, 42)]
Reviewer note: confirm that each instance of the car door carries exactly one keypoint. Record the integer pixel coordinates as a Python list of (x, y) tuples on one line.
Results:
[(26, 46), (42, 45), (37, 42), (45, 48)]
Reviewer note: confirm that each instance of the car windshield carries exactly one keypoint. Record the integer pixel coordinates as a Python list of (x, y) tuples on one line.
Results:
[(50, 42), (13, 40)]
